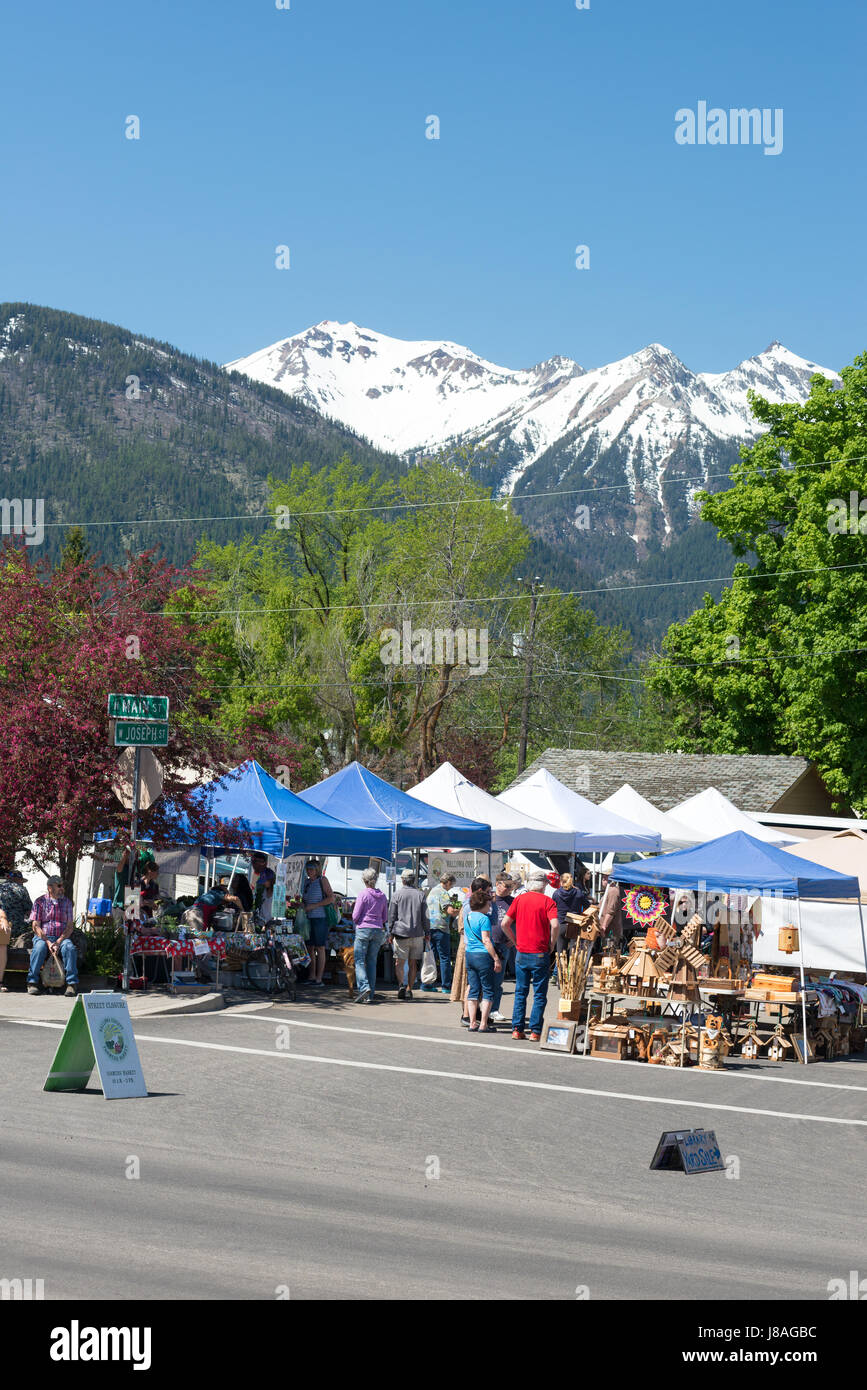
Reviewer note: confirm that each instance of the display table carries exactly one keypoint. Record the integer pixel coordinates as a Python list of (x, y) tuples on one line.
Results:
[(169, 949)]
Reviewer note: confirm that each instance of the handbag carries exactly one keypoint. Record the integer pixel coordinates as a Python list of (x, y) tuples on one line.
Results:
[(428, 967), (332, 916)]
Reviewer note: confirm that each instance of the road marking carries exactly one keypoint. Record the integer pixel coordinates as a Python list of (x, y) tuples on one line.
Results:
[(471, 1076), (289, 1020)]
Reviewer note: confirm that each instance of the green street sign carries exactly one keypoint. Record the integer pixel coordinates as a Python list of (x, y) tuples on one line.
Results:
[(139, 734), (138, 707)]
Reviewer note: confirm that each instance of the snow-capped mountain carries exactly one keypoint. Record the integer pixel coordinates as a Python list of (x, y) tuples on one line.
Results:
[(412, 396)]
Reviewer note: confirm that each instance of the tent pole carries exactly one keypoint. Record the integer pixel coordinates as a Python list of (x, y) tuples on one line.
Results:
[(863, 942), (803, 984)]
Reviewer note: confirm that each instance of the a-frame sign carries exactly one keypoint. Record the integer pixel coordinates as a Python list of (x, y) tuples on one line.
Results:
[(99, 1032)]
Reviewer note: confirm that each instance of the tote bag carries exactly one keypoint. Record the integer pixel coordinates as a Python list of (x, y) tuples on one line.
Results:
[(428, 968)]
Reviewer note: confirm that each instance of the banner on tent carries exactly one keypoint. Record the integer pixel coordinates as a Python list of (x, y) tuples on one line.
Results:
[(830, 934)]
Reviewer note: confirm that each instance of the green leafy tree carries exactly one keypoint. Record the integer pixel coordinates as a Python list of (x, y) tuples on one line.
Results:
[(776, 664)]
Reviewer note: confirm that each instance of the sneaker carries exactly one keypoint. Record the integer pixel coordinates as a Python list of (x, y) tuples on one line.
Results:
[(521, 1037), (465, 1023), (497, 1017), (445, 989), (401, 992), (32, 989), (409, 994), (363, 997), (535, 1037), (70, 991)]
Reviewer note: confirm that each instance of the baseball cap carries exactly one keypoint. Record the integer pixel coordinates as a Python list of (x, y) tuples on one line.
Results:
[(55, 878)]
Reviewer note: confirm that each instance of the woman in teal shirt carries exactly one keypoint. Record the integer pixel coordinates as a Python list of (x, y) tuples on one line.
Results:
[(482, 961)]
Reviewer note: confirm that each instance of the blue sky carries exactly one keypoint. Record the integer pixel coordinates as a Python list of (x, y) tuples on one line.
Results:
[(306, 127)]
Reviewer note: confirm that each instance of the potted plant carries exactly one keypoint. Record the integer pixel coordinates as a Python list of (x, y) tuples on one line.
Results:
[(104, 954)]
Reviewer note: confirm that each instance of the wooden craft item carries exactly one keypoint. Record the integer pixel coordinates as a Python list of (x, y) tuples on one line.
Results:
[(779, 1045), (640, 974), (788, 939)]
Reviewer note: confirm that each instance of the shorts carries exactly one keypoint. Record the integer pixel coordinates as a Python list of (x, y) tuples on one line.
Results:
[(408, 948), (318, 930)]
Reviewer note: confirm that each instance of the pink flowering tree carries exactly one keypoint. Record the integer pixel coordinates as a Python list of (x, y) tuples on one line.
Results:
[(72, 635)]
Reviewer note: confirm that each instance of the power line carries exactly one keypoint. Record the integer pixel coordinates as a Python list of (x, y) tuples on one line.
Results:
[(499, 598), (398, 506)]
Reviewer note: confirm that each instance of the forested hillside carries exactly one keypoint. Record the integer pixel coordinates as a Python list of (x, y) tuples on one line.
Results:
[(109, 427)]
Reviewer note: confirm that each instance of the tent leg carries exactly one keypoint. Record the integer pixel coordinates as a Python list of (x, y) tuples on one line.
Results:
[(863, 942), (803, 985), (489, 866)]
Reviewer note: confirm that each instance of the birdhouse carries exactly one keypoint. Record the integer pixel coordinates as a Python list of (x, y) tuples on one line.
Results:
[(616, 1040), (639, 974), (750, 1045), (779, 1045), (788, 940)]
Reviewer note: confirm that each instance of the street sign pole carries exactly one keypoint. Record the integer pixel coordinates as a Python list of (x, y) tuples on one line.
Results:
[(136, 784)]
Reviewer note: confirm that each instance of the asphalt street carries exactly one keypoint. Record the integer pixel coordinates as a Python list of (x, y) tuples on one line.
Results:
[(318, 1152)]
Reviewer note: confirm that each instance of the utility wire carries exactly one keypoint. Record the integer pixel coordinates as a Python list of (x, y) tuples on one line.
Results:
[(398, 506)]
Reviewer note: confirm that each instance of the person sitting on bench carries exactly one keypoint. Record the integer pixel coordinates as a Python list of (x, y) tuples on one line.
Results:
[(52, 926)]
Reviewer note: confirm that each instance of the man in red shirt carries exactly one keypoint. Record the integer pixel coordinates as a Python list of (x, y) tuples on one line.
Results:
[(534, 916)]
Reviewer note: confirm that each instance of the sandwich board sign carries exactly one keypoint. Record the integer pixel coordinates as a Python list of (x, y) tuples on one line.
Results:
[(690, 1151), (99, 1031)]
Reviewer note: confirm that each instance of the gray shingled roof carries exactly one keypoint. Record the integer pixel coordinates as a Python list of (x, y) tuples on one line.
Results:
[(752, 782)]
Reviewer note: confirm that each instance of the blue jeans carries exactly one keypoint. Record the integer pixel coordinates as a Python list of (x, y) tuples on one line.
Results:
[(366, 946), (506, 954), (67, 955), (441, 943), (480, 975), (535, 970)]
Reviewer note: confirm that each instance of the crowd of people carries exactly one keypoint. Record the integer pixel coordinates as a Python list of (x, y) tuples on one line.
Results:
[(470, 942)]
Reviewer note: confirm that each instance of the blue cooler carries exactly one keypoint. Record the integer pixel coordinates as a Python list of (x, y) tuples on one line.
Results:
[(100, 907)]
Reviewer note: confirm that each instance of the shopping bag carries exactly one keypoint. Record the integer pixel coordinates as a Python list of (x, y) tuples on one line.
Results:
[(53, 975), (302, 924), (428, 968)]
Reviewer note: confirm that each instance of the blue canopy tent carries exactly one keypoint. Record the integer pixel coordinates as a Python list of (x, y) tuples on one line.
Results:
[(277, 821), (740, 863), (358, 795)]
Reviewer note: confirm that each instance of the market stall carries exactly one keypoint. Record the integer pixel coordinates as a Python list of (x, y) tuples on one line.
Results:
[(593, 828), (674, 833), (256, 812), (711, 814), (511, 829), (370, 802), (736, 866)]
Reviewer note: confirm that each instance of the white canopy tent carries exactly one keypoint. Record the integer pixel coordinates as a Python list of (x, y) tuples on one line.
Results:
[(710, 815), (833, 937), (449, 790), (543, 797), (633, 806)]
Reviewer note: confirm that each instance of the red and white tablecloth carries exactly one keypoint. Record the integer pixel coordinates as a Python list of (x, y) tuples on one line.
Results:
[(169, 946)]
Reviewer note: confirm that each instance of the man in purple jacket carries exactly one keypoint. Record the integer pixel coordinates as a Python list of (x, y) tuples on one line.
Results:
[(369, 914)]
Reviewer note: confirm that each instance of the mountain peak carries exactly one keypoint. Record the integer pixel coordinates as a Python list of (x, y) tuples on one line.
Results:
[(410, 396)]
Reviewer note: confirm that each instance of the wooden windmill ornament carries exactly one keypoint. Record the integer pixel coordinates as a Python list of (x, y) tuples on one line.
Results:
[(683, 963)]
